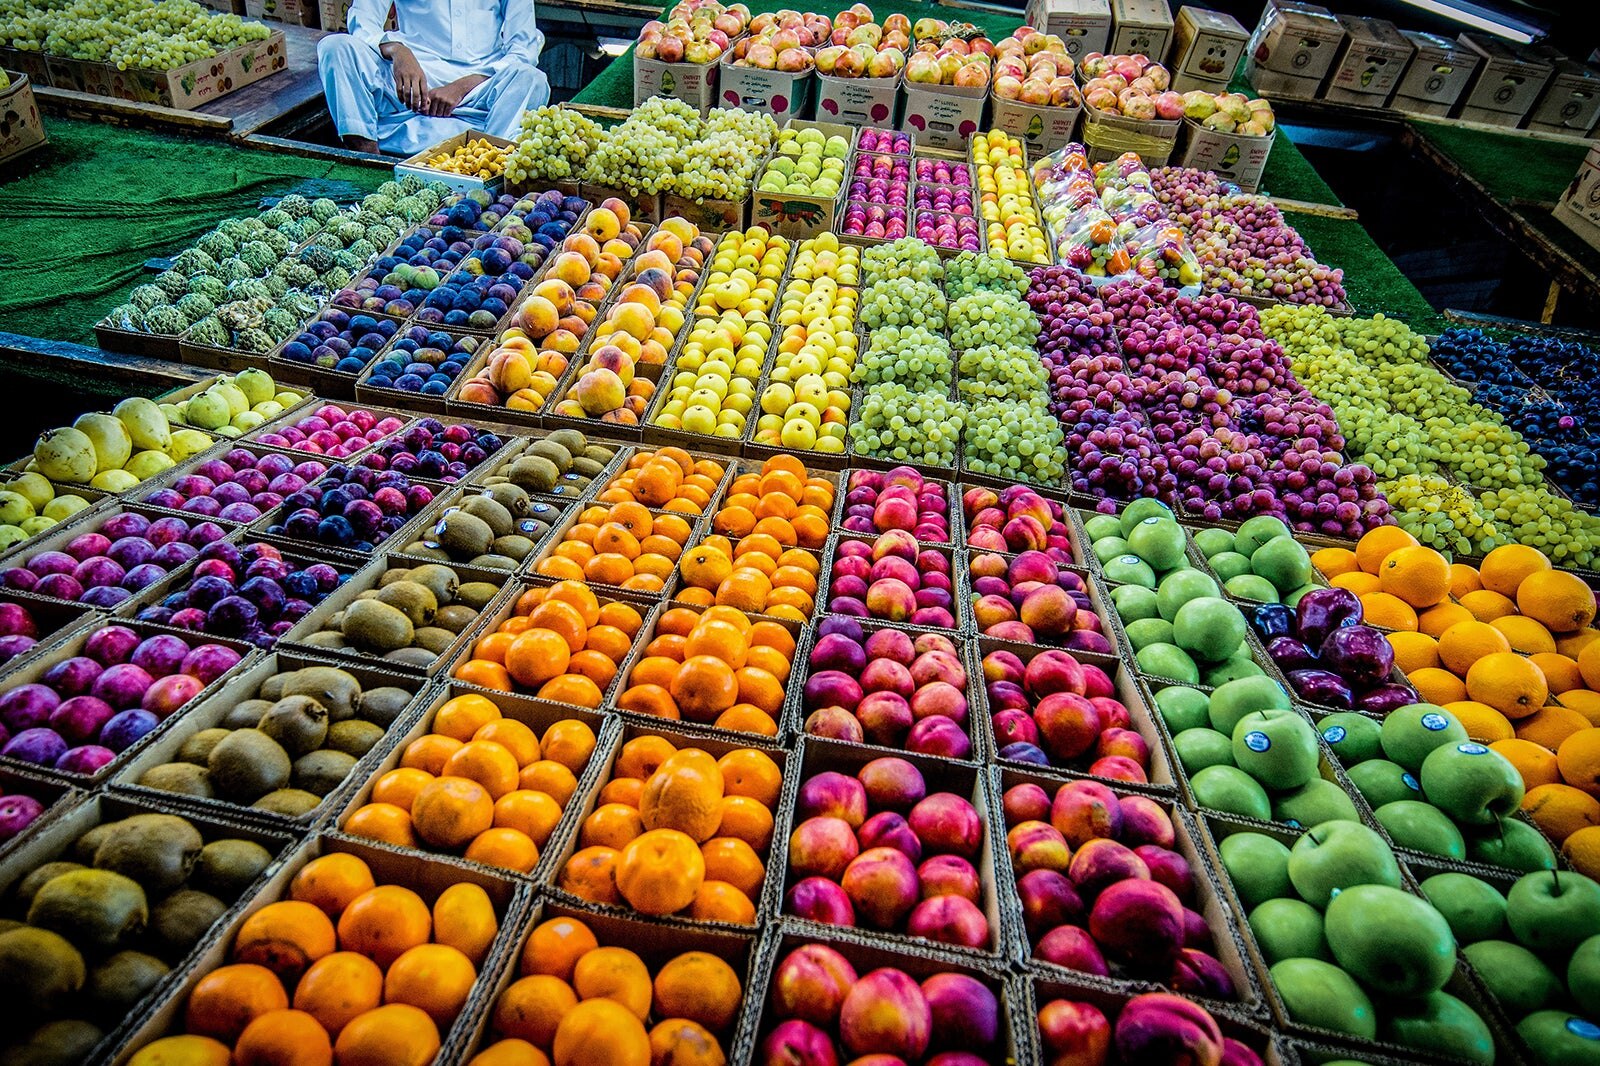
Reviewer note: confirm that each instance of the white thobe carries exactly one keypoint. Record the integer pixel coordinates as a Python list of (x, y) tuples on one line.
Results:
[(451, 39)]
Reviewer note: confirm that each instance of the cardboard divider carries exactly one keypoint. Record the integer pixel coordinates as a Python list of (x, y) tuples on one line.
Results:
[(816, 755), (54, 841), (960, 593), (54, 796), (598, 773), (1208, 899), (426, 876), (452, 498), (166, 740), (53, 619)]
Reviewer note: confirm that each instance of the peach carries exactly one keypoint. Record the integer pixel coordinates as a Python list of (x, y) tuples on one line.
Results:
[(818, 899), (1086, 640), (901, 570), (1160, 1028), (1198, 974), (1013, 631), (894, 513), (797, 1041), (610, 357), (1144, 821), (1068, 725), (886, 1013), (1112, 712), (886, 829), (1014, 727), (949, 920), (1233, 1054), (561, 295), (895, 542), (852, 566), (1024, 803), (929, 642), (988, 564), (849, 587), (1071, 947), (1075, 1034), (1119, 768), (838, 652), (1102, 862), (966, 1014), (833, 795), (1169, 868), (891, 599), (835, 723), (885, 718), (886, 675), (1007, 695), (822, 846), (1139, 923), (1038, 846), (1033, 566), (892, 784), (1024, 533), (1050, 672), (987, 538), (570, 267), (600, 391), (811, 983), (832, 688), (947, 824), (1048, 610), (991, 611), (538, 316), (892, 644), (939, 735), (1085, 810), (476, 391), (882, 886), (1048, 900), (1196, 930), (949, 875), (1124, 742), (977, 498)]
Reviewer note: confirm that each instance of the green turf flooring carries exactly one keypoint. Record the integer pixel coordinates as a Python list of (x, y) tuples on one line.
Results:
[(1510, 168), (99, 200)]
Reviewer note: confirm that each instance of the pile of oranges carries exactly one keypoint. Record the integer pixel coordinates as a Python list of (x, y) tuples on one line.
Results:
[(677, 831), (344, 968), (1507, 647), (561, 643), (714, 666), (480, 785), (584, 1004)]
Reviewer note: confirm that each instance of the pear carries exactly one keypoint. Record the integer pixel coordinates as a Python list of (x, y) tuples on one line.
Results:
[(38, 524), (114, 481), (148, 464), (288, 399), (238, 403), (146, 423), (11, 535), (187, 442), (230, 431), (66, 454), (15, 508), (36, 487), (62, 508), (256, 384), (173, 413), (112, 444), (268, 409), (209, 410), (247, 421)]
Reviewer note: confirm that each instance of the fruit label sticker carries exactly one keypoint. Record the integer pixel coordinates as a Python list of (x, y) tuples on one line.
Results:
[(1435, 722), (1584, 1030), (1472, 749), (1333, 734), (1410, 782), (1257, 741)]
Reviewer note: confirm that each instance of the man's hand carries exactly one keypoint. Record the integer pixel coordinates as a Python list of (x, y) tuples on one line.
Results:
[(410, 83), (443, 101)]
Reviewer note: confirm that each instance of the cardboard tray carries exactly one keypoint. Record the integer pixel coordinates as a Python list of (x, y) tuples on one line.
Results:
[(796, 215), (960, 591), (417, 165), (52, 618), (447, 501)]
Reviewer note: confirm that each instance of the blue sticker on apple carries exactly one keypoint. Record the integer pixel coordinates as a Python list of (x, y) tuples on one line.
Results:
[(1435, 722), (1583, 1029), (1334, 734), (1472, 749), (1152, 520), (1130, 559), (1257, 741), (1410, 782)]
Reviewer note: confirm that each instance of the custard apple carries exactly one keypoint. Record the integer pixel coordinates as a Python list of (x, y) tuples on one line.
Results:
[(211, 288), (410, 183), (254, 340), (211, 332), (391, 189), (195, 306), (276, 219), (127, 317), (249, 289), (232, 270), (337, 278), (275, 284), (323, 208), (166, 319), (172, 283), (378, 203), (278, 242), (258, 256), (318, 257), (295, 205), (192, 261), (217, 245), (144, 297)]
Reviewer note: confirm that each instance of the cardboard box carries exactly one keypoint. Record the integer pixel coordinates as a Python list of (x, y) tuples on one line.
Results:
[(779, 93), (1370, 63), (795, 215), (1509, 80), (1085, 25), (1227, 155), (1296, 39), (1108, 136), (21, 129), (417, 166), (1437, 75), (1042, 129), (1579, 206), (1571, 102), (1206, 49), (332, 13), (858, 101), (295, 12), (1141, 27), (1273, 85), (183, 87), (693, 83), (944, 116), (30, 63)]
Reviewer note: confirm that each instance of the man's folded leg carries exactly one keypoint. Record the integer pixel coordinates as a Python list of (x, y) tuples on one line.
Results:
[(359, 86), (496, 106)]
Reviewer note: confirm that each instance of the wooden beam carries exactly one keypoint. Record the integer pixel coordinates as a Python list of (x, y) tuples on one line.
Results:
[(84, 105), (21, 351), (1305, 207), (601, 111), (319, 151)]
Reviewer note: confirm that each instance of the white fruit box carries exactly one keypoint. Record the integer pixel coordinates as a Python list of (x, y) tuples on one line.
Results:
[(1370, 63), (1579, 207), (1140, 27), (779, 93), (693, 83), (21, 130), (1571, 102), (1296, 39), (1042, 129), (1508, 82), (796, 215), (858, 101), (944, 116), (295, 12), (1085, 25), (1108, 136), (417, 165), (1273, 85), (1437, 75), (183, 87), (1227, 155), (1206, 49)]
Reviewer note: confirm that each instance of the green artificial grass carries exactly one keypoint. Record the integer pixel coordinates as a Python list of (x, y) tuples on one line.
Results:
[(80, 226), (1510, 168), (1290, 175), (1372, 282)]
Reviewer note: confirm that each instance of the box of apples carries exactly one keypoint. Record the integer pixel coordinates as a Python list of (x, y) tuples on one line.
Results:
[(771, 69), (1129, 106), (1228, 134), (947, 89), (1033, 96), (859, 68), (679, 58)]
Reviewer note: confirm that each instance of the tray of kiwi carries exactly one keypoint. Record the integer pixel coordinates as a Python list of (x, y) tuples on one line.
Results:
[(564, 465)]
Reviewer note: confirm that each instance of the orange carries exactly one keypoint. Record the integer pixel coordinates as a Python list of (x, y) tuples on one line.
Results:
[(433, 977), (487, 763), (615, 537), (513, 736), (731, 615), (555, 946), (384, 922), (718, 901), (1463, 579), (484, 674), (746, 718), (705, 567), (382, 821), (609, 569), (700, 987), (1562, 602), (1505, 567), (575, 689), (609, 641), (229, 998), (184, 1050), (1437, 686), (751, 773), (1414, 651), (337, 988), (745, 588), (719, 640), (493, 647), (619, 615), (680, 1042), (450, 811), (330, 882), (510, 1052), (1589, 664), (591, 874), (614, 973), (1361, 584), (400, 786), (1573, 643), (666, 646), (559, 567), (677, 621), (704, 687), (430, 753), (1560, 672), (570, 743), (1585, 701), (536, 656), (551, 778), (695, 597), (759, 689), (396, 1034), (769, 659), (1579, 760), (1376, 544), (1388, 611), (1331, 562), (532, 1007), (1549, 726), (285, 937), (633, 517), (810, 531), (611, 825), (464, 919), (1482, 723), (1509, 683), (685, 794), (766, 634), (283, 1038), (530, 812), (1582, 851), (1535, 763), (624, 790), (505, 849), (747, 820), (462, 717), (1466, 642), (563, 619), (660, 871), (643, 756), (652, 700), (601, 1032), (1526, 635), (1418, 575), (1487, 605), (1440, 617), (732, 860), (1561, 810)]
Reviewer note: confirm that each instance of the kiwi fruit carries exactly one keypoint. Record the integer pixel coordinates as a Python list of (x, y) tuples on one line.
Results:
[(320, 772), (427, 551), (227, 867), (298, 723), (533, 473), (492, 561), (553, 451), (197, 749), (433, 639), (383, 706), (178, 922), (289, 802), (416, 602), (84, 847), (247, 765), (514, 499), (588, 467), (338, 691), (513, 546), (455, 618), (328, 638), (8, 924), (389, 577), (354, 738), (421, 658), (376, 627), (184, 778), (572, 440), (487, 510), (63, 1042), (39, 971), (463, 534), (440, 580), (29, 886), (477, 594), (156, 850), (118, 984), (98, 909), (249, 712)]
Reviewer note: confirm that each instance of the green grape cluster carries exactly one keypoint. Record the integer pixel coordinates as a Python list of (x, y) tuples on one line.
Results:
[(911, 356), (1001, 372), (640, 154), (1442, 515), (971, 271), (1541, 519), (903, 426), (907, 257), (143, 34), (1014, 439), (721, 164), (902, 301), (989, 317), (552, 145)]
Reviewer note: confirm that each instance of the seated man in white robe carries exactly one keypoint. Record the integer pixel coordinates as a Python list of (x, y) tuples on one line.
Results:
[(449, 66)]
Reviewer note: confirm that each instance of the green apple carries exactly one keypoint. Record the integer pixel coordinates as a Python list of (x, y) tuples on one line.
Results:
[(1112, 549), (1553, 911), (1440, 1024), (1181, 586), (1232, 791), (1392, 942), (1277, 748), (1159, 541), (1141, 509), (1352, 736), (1101, 526), (1283, 562), (1380, 781), (1234, 700), (1410, 733), (1471, 783), (1134, 602), (1219, 674), (1254, 532), (1320, 994), (1474, 908), (1421, 827), (1513, 844), (1183, 708), (1252, 587), (1583, 976), (1514, 975), (1128, 569), (1229, 565), (1167, 660), (1258, 866), (1293, 597), (1560, 1038), (1339, 855), (1313, 803), (1209, 628), (1147, 631), (1213, 541), (1289, 929), (1200, 748)]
